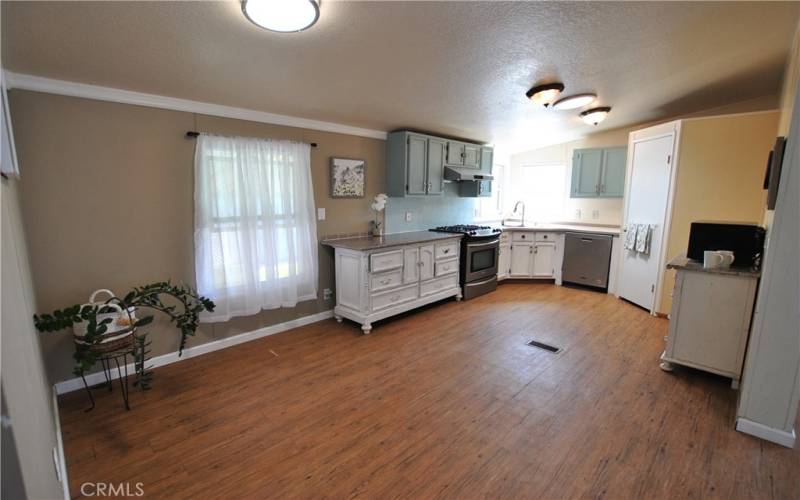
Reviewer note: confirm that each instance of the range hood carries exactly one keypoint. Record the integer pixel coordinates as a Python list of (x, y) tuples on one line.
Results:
[(465, 174)]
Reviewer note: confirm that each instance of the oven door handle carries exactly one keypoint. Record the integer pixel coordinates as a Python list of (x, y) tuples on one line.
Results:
[(481, 282), (483, 244)]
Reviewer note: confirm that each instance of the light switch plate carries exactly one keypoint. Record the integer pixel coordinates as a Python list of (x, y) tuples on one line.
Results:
[(320, 214), (408, 216), (578, 214), (595, 214)]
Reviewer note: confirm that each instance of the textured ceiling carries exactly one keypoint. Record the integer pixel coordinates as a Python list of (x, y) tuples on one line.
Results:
[(457, 68)]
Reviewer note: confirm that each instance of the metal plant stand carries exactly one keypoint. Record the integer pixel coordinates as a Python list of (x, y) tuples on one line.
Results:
[(122, 374)]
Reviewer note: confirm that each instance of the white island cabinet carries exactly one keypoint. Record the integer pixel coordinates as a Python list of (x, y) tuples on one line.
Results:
[(380, 277), (710, 318)]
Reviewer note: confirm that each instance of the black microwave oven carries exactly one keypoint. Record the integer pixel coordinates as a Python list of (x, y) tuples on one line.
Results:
[(745, 240)]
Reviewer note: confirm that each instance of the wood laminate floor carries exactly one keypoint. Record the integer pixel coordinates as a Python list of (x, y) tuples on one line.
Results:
[(445, 402)]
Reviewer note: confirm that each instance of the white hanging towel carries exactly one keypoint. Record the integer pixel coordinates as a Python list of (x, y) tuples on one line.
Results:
[(643, 234), (630, 237)]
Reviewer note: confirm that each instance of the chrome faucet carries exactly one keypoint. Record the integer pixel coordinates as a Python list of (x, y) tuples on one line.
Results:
[(522, 220)]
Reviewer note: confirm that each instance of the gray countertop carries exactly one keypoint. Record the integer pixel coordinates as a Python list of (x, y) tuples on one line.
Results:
[(389, 240), (577, 228), (681, 262)]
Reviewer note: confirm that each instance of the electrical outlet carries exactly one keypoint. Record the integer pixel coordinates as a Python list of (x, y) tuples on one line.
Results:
[(577, 214), (327, 294), (595, 214), (320, 214), (408, 216)]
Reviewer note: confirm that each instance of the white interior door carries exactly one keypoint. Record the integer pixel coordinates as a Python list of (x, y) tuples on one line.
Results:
[(647, 200)]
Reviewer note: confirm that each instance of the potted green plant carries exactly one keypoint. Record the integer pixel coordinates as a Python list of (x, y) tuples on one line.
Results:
[(99, 327)]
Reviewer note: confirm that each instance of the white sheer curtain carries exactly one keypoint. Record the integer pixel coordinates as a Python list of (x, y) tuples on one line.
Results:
[(255, 235)]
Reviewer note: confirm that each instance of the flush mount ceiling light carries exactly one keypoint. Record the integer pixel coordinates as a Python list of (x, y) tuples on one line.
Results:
[(574, 101), (545, 94), (595, 115), (283, 16)]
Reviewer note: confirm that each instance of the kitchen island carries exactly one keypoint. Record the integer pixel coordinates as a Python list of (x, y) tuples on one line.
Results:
[(379, 277)]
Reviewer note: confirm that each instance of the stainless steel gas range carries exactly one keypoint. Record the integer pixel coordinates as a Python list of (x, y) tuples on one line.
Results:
[(479, 251)]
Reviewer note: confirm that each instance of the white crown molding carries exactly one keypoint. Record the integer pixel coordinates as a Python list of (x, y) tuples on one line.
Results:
[(74, 384), (87, 91)]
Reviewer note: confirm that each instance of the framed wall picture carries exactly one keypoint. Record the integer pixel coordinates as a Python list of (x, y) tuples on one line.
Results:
[(348, 178)]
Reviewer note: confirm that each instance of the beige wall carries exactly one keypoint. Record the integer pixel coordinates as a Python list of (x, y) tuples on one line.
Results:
[(720, 177), (107, 198)]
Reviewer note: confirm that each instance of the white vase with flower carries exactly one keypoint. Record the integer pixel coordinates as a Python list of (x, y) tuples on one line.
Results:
[(378, 205)]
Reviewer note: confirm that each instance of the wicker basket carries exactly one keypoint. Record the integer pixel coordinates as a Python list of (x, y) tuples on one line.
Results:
[(119, 335)]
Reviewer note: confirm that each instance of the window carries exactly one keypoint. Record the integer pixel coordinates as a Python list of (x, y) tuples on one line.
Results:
[(491, 208), (255, 231), (543, 190)]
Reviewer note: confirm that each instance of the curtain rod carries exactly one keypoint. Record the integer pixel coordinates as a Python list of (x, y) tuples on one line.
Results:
[(192, 135)]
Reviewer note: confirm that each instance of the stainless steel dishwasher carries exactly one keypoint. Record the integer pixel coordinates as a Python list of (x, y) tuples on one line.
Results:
[(587, 258)]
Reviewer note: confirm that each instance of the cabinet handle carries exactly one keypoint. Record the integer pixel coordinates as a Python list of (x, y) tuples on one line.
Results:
[(420, 263), (602, 188), (395, 298), (386, 281)]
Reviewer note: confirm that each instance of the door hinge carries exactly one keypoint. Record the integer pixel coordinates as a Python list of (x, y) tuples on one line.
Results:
[(669, 159), (652, 288)]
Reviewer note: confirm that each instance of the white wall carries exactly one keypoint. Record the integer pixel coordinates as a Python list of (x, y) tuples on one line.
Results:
[(771, 379), (25, 386)]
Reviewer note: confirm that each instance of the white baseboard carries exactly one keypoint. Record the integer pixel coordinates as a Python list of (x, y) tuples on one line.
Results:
[(63, 474), (779, 436), (165, 359)]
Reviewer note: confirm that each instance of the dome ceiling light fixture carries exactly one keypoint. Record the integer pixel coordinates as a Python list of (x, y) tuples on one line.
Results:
[(595, 115), (545, 94), (574, 101), (282, 16)]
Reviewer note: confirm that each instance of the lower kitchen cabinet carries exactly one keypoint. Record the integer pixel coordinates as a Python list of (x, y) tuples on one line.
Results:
[(503, 261), (544, 258), (533, 255)]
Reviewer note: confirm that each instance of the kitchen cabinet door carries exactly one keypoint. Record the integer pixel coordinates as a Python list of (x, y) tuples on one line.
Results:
[(487, 160), (503, 261), (411, 265), (426, 260), (612, 182), (472, 156), (521, 257), (455, 153), (586, 167), (544, 256), (437, 149), (416, 159)]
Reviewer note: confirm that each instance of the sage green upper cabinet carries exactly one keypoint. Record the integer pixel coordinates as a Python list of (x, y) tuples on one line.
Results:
[(414, 164), (455, 153), (437, 149), (417, 180), (598, 173), (612, 181), (586, 166), (487, 159), (472, 155), (462, 154)]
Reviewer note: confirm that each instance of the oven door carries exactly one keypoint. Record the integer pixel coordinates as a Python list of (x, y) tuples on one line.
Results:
[(480, 259)]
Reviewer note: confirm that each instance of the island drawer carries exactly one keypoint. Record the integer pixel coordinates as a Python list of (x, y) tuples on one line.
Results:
[(393, 297), (437, 285), (382, 281), (385, 261), (446, 267), (446, 250)]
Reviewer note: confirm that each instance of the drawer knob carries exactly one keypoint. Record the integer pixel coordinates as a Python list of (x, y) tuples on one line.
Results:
[(395, 298), (386, 281), (446, 250)]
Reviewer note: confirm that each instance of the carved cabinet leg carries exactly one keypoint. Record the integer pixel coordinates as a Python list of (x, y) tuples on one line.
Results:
[(338, 318), (366, 328)]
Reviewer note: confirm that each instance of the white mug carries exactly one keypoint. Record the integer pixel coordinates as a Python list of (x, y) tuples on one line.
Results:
[(717, 258), (727, 257)]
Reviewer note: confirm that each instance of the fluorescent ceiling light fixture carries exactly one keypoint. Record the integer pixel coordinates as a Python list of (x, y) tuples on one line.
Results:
[(545, 94), (574, 101), (283, 16), (595, 115)]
